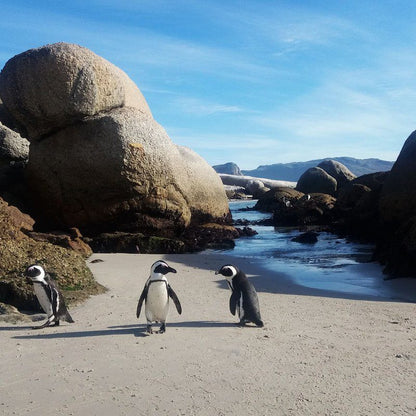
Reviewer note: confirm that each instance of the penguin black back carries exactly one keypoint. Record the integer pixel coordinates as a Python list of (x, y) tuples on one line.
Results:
[(244, 297)]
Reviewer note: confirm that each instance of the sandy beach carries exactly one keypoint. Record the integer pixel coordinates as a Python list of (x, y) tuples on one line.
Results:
[(318, 354)]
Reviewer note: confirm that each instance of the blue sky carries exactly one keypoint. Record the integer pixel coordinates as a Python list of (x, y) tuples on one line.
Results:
[(254, 82)]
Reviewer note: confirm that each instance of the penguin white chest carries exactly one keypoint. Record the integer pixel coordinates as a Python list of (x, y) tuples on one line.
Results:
[(157, 302), (43, 298)]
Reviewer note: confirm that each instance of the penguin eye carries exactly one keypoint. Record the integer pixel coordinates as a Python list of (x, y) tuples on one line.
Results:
[(228, 272), (160, 268)]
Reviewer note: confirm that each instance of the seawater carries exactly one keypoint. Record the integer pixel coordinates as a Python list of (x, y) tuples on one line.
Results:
[(332, 264)]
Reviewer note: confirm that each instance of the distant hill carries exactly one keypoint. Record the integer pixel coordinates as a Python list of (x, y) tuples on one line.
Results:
[(292, 171), (229, 168)]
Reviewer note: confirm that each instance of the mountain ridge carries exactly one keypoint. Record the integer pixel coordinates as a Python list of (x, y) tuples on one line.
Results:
[(293, 170)]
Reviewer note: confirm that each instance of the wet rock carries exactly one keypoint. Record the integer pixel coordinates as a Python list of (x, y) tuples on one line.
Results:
[(246, 232), (310, 209), (309, 237), (277, 198)]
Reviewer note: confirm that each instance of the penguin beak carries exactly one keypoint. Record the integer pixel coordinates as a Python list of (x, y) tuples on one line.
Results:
[(171, 270)]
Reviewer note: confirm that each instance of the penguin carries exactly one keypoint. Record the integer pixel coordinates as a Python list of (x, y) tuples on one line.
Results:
[(156, 293), (49, 297), (243, 298)]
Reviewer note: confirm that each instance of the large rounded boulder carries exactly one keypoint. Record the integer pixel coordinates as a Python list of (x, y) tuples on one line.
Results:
[(397, 208), (53, 86), (317, 180), (338, 171), (120, 171), (398, 195), (98, 161)]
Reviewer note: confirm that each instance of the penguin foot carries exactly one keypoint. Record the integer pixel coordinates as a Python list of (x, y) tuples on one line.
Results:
[(149, 329), (45, 325), (162, 328)]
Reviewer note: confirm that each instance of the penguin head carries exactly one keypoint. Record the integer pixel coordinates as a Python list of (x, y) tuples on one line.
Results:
[(161, 267), (35, 273), (228, 271)]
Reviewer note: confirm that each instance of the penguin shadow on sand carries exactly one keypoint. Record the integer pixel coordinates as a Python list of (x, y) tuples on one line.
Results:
[(110, 331)]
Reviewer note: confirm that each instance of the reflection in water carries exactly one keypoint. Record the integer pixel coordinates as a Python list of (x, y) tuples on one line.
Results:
[(332, 263)]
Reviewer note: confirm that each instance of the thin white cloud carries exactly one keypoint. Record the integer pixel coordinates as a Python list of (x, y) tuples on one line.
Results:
[(199, 107)]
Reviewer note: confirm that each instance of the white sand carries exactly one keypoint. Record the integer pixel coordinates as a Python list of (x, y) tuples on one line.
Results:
[(316, 355)]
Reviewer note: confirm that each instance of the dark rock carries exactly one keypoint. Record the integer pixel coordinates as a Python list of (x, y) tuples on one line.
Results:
[(209, 235), (309, 237), (246, 232), (398, 196), (277, 198), (120, 242), (374, 181), (396, 248), (311, 209)]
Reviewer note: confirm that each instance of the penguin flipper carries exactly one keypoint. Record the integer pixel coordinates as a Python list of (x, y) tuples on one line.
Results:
[(233, 301), (141, 299), (175, 299), (55, 295)]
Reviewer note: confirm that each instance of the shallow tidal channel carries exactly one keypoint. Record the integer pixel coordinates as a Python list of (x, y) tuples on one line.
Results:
[(332, 264)]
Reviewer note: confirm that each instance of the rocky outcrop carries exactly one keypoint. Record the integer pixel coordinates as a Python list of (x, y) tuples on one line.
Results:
[(120, 171), (316, 180), (309, 210), (276, 198), (398, 197), (19, 251), (98, 160), (397, 208)]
